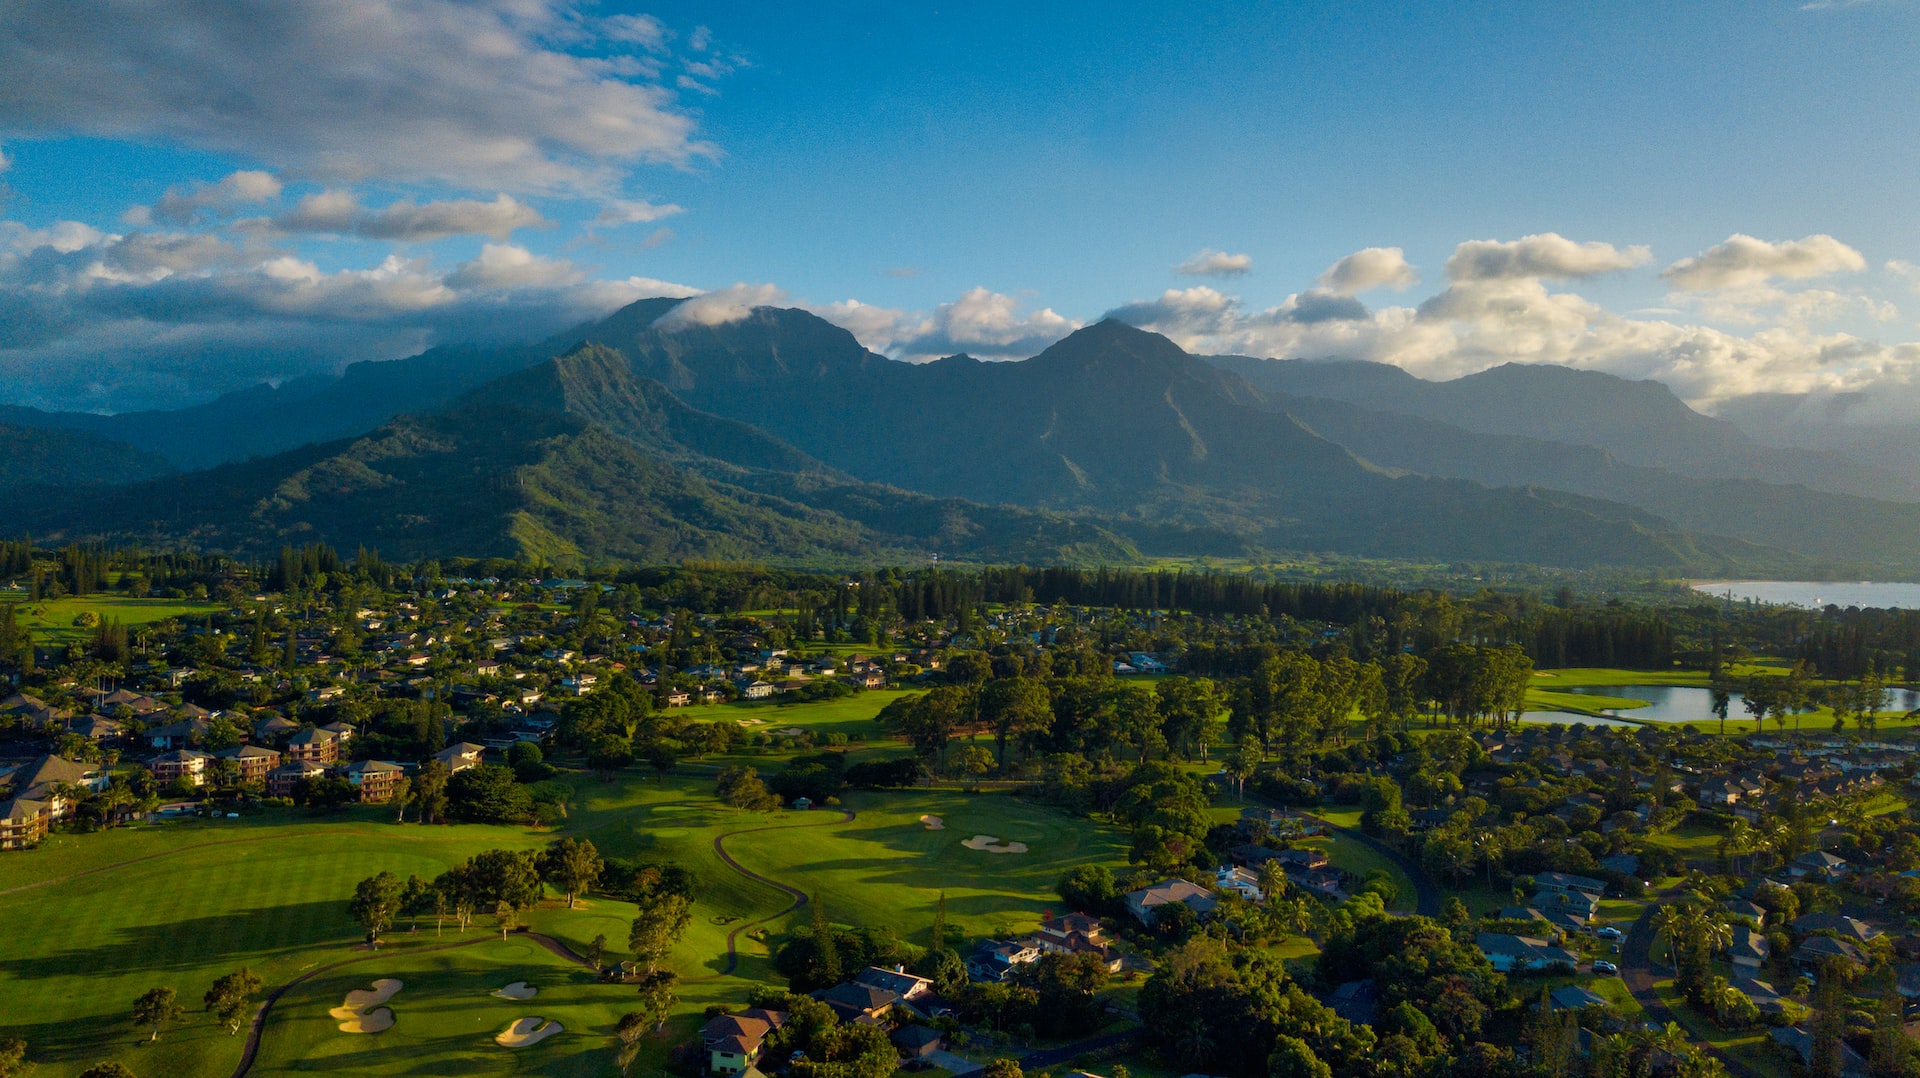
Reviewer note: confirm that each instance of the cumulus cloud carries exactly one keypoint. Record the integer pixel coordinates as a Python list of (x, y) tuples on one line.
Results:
[(90, 318), (340, 212), (504, 265), (514, 95), (1743, 261), (1547, 254), (1367, 269), (621, 211), (982, 323), (1211, 263), (1498, 309), (722, 305), (182, 205)]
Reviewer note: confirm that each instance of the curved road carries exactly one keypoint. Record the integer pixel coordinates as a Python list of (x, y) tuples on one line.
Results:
[(799, 897), (1426, 897), (1638, 971)]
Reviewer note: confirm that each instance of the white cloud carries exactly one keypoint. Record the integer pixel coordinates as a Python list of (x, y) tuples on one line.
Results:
[(1547, 254), (1492, 314), (1906, 272), (5, 161), (183, 204), (723, 305), (504, 265), (1743, 262), (1211, 263), (513, 95), (982, 323), (1367, 269), (340, 212), (634, 212)]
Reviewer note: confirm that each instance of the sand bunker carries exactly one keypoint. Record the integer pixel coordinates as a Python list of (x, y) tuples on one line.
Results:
[(517, 990), (790, 731), (527, 1031), (994, 845), (934, 823), (363, 1013)]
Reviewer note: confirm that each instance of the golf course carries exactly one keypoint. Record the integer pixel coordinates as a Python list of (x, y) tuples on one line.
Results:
[(98, 919)]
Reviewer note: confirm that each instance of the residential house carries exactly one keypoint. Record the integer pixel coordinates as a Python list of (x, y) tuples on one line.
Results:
[(95, 728), (314, 746), (253, 761), (732, 1042), (1573, 997), (1799, 1042), (187, 764), (1562, 883), (178, 735), (995, 960), (46, 778), (755, 690), (679, 698), (916, 1042), (1847, 928), (1509, 953), (858, 1004), (1818, 864), (341, 731), (1749, 949), (282, 781), (1817, 951), (1145, 903), (23, 822), (374, 779), (1239, 881), (461, 756)]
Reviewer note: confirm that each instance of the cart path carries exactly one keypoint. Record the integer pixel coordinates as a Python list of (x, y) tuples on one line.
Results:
[(797, 896)]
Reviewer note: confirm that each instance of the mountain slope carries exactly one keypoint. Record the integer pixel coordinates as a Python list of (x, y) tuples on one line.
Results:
[(34, 457), (1640, 423)]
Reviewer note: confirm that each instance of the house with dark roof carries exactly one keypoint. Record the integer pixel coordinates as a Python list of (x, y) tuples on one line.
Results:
[(1145, 903), (373, 780), (1509, 953), (859, 1004)]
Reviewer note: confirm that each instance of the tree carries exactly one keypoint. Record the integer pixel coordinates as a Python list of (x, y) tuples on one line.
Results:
[(597, 952), (487, 794), (155, 1008), (571, 865), (1087, 888), (742, 788), (661, 917), (13, 1050), (1002, 1068), (430, 791), (631, 1029), (505, 917), (108, 1069), (232, 995), (376, 902), (657, 995), (401, 796)]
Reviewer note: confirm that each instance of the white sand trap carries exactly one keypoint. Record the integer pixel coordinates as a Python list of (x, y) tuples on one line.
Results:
[(934, 823), (378, 1020), (517, 990), (790, 731), (993, 845), (527, 1031), (363, 1013)]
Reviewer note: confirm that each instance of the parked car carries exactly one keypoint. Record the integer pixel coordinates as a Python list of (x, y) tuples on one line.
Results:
[(1606, 969), (1610, 933)]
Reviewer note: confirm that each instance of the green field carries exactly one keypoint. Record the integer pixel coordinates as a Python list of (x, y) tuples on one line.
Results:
[(849, 715), (94, 920), (51, 620)]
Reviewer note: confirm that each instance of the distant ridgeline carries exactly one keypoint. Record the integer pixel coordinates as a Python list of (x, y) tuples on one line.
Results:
[(779, 438)]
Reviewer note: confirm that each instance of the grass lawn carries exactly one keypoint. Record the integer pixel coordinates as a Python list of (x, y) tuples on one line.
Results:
[(268, 893), (849, 715), (445, 1019), (886, 868), (51, 620), (94, 920)]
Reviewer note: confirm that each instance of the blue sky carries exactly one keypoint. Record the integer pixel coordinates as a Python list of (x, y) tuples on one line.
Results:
[(203, 195)]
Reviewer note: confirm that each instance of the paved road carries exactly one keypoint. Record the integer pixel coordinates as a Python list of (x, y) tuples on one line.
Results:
[(1053, 1057), (1426, 896), (1639, 971)]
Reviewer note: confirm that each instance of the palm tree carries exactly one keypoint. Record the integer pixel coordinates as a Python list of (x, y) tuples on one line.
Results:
[(1674, 922)]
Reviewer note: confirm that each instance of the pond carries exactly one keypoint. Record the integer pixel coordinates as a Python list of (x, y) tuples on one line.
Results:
[(1681, 703), (1815, 594)]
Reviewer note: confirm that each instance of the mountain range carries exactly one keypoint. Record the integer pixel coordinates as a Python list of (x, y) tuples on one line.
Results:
[(778, 436)]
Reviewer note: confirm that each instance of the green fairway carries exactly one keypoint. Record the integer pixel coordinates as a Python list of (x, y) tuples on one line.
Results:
[(51, 620), (849, 715), (97, 919), (886, 868)]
